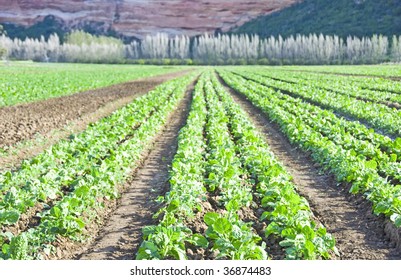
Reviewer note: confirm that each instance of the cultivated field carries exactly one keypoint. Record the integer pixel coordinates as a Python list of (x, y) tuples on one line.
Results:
[(145, 162)]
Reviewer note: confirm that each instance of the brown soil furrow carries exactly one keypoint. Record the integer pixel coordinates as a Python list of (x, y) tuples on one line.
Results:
[(42, 124), (122, 234), (359, 234)]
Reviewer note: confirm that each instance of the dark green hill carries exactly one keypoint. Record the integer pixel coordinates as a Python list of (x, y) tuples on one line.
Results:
[(45, 28), (51, 25), (331, 17)]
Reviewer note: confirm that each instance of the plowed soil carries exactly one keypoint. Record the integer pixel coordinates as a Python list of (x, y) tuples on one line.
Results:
[(49, 118), (359, 233)]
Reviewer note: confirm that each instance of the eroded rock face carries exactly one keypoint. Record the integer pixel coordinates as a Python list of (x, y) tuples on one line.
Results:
[(141, 17)]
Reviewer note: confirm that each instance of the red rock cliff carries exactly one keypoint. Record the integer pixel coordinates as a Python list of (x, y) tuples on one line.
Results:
[(141, 17)]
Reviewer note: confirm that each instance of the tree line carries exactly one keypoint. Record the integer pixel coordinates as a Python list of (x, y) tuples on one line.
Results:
[(207, 49)]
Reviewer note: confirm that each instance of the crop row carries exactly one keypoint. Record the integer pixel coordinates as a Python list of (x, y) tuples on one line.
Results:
[(229, 164), (375, 90), (335, 143), (82, 173), (232, 238), (379, 71), (168, 239), (352, 135), (379, 116), (375, 83)]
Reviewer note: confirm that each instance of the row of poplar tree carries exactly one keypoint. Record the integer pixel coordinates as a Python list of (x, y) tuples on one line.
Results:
[(206, 49)]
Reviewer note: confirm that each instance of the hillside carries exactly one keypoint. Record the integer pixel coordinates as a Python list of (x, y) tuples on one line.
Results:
[(341, 17), (130, 18)]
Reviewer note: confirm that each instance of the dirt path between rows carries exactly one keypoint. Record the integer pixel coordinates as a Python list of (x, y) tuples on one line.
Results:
[(121, 236), (42, 124), (359, 234)]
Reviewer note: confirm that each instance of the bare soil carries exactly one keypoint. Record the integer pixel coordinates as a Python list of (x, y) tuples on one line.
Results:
[(41, 124), (121, 235), (359, 233), (253, 215)]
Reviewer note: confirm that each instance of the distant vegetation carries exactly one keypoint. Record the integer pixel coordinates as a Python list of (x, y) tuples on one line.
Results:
[(342, 17), (81, 38)]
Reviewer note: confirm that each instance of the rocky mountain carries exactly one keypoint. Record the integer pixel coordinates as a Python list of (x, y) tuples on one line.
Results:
[(137, 18)]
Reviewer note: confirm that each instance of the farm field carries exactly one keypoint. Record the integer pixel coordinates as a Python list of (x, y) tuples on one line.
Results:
[(29, 127), (27, 82), (200, 163)]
